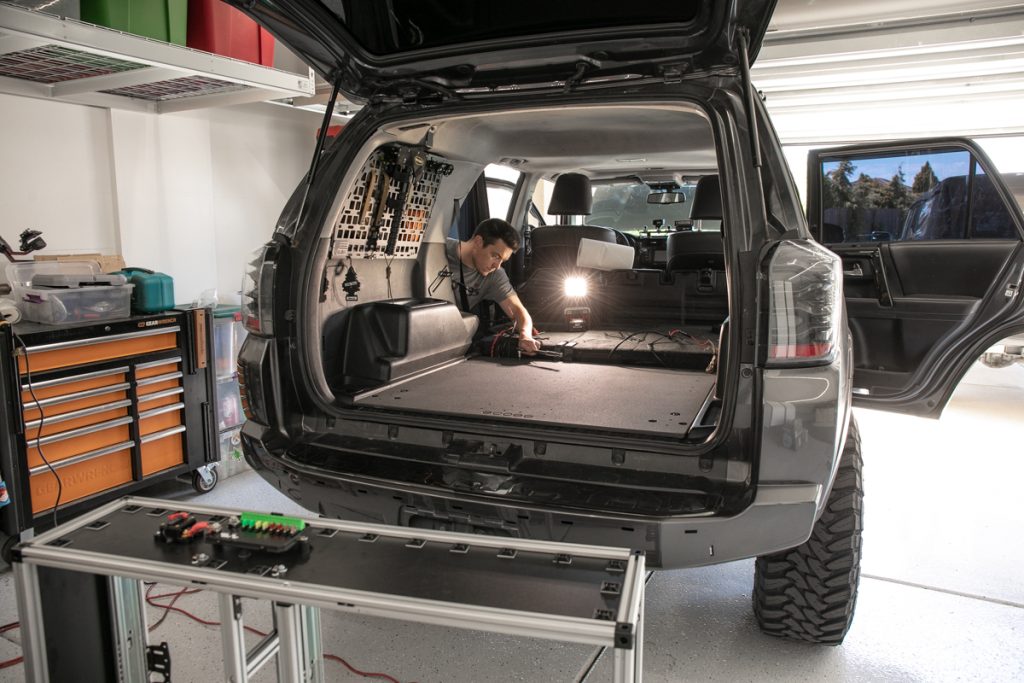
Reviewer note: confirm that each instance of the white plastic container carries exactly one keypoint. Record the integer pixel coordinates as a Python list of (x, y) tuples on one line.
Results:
[(58, 306)]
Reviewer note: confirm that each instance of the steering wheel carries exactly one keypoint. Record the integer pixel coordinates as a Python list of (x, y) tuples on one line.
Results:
[(623, 238)]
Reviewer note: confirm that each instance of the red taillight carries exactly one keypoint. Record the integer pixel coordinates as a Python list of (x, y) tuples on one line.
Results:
[(805, 291)]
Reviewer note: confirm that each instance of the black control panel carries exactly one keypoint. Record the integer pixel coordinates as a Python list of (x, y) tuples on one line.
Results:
[(651, 251)]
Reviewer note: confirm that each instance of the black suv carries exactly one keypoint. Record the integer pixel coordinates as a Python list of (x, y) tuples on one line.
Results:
[(694, 398)]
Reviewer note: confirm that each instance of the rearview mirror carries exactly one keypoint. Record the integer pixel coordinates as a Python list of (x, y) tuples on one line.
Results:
[(666, 198)]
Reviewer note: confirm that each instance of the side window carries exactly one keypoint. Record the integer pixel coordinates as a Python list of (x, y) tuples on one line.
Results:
[(989, 217), (541, 197), (501, 183), (912, 195)]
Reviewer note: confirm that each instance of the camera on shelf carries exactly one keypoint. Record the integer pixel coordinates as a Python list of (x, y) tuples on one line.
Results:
[(31, 240)]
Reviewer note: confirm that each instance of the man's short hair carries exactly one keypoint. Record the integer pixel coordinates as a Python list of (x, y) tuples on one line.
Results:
[(494, 229)]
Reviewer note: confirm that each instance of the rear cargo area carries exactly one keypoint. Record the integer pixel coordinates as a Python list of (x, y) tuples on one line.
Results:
[(655, 401)]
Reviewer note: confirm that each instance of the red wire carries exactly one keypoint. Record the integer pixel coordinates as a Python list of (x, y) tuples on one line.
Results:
[(172, 608), (17, 660), (11, 662)]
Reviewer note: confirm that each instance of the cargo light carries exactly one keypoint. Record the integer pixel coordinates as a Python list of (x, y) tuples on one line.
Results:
[(805, 288), (575, 287), (257, 291)]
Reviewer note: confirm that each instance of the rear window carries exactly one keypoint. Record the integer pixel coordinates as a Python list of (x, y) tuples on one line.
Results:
[(385, 28)]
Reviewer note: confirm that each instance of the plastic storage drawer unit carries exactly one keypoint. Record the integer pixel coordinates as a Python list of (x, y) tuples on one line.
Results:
[(164, 20), (219, 28)]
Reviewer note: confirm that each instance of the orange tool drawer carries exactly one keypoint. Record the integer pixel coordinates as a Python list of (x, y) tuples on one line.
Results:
[(77, 392), (163, 450), (83, 476), (94, 349)]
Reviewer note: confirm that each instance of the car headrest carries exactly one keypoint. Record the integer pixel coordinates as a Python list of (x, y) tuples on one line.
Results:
[(571, 196), (707, 199)]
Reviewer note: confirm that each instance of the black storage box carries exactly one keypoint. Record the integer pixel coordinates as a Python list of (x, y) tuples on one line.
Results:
[(383, 341)]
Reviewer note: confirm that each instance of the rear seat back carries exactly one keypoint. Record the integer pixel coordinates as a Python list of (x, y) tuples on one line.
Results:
[(557, 245), (697, 259)]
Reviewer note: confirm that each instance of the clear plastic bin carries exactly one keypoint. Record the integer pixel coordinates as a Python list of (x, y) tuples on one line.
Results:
[(57, 306), (232, 461), (228, 336), (229, 404)]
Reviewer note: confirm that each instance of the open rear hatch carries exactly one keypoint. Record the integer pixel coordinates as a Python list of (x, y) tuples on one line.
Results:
[(412, 47)]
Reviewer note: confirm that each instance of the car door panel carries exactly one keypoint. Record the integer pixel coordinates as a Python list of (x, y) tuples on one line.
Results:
[(949, 268), (925, 283)]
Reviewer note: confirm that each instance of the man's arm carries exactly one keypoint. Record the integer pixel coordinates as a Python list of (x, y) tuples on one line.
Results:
[(515, 309)]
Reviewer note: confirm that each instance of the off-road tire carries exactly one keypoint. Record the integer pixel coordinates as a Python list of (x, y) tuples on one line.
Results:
[(809, 592)]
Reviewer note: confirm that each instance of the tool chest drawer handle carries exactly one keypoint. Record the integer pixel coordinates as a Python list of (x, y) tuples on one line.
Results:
[(98, 453), (85, 412), (101, 340), (157, 363), (161, 410), (81, 431), (157, 379), (26, 386), (67, 398), (156, 436), (145, 398)]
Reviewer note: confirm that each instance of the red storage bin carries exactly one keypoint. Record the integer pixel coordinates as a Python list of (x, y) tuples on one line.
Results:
[(216, 27)]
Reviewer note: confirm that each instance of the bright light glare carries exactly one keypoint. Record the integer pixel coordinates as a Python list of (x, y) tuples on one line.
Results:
[(575, 287)]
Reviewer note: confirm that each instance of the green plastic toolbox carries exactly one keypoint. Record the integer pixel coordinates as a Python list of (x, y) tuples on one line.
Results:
[(154, 292), (165, 20)]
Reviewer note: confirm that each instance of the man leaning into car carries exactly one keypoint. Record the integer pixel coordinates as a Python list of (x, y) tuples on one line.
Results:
[(477, 275)]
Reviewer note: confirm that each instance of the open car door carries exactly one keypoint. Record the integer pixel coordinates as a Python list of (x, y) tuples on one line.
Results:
[(930, 240)]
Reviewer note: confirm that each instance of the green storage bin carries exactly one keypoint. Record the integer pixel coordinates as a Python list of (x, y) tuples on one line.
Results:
[(154, 292), (165, 20)]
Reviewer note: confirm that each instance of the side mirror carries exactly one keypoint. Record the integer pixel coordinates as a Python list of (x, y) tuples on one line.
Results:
[(666, 198)]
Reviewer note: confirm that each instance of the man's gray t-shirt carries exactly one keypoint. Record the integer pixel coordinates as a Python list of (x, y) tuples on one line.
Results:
[(494, 287)]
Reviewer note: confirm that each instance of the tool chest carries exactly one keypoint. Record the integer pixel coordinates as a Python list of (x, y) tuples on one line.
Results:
[(106, 407)]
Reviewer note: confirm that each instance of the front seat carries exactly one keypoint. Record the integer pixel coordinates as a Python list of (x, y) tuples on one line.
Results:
[(557, 245)]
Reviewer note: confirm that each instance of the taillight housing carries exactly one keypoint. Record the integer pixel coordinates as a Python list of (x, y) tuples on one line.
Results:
[(805, 304), (255, 379), (258, 290)]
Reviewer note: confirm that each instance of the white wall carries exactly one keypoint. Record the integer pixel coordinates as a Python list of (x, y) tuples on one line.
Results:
[(187, 194), (55, 174)]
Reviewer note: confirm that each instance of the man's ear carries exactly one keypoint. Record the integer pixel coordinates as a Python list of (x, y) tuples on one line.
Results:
[(478, 242)]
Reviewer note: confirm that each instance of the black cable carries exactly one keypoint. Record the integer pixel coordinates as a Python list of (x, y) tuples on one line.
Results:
[(42, 421), (625, 339)]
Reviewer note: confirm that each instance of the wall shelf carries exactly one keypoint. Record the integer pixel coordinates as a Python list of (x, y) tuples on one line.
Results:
[(57, 58)]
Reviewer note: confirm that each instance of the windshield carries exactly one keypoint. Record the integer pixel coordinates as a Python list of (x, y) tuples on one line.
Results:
[(623, 206)]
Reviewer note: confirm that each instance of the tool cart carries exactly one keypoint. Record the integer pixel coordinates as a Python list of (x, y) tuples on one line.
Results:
[(94, 410)]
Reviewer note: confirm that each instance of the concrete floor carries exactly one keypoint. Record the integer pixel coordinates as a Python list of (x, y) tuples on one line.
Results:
[(940, 600)]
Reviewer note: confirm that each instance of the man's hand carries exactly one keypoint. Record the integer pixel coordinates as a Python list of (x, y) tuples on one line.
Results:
[(529, 346)]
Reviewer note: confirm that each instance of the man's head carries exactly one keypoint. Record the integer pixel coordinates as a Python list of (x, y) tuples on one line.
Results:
[(493, 243)]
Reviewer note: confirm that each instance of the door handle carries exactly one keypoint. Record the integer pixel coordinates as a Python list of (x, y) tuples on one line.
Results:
[(1013, 286), (856, 271)]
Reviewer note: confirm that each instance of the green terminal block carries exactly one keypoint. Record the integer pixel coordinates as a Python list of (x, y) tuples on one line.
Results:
[(275, 524)]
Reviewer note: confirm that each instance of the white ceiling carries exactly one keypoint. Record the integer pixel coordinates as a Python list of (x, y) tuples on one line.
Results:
[(841, 71)]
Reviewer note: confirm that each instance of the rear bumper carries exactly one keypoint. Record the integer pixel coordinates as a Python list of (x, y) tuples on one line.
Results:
[(780, 517)]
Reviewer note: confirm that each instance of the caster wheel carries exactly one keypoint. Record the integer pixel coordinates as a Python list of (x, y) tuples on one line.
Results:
[(202, 485), (7, 550)]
